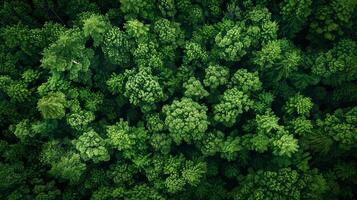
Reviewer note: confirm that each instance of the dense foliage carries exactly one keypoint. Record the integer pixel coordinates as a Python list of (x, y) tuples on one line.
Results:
[(178, 99)]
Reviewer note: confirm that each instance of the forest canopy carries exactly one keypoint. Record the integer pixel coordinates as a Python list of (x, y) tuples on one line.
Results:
[(178, 99)]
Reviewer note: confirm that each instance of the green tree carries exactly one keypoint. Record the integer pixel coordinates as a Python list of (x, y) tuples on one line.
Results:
[(52, 106), (186, 120), (233, 102), (91, 147), (215, 76), (68, 54), (69, 167)]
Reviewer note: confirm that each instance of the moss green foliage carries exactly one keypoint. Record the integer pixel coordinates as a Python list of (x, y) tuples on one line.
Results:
[(178, 99)]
